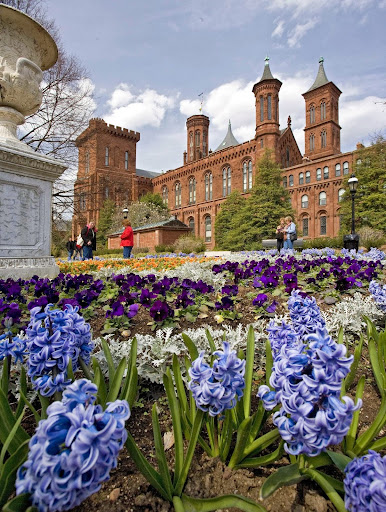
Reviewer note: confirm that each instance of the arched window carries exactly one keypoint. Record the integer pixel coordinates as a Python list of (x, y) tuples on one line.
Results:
[(323, 110), (337, 170), (312, 142), (345, 168), (177, 194), (291, 180), (126, 160), (247, 175), (208, 229), (191, 224), (197, 139), (322, 199), (323, 139), (284, 181), (208, 186), (308, 176), (106, 156), (301, 178), (250, 175), (340, 194), (287, 156), (191, 152), (325, 173), (359, 161), (165, 195), (305, 226), (261, 108), (312, 114), (269, 106), (323, 224), (318, 174), (305, 201), (87, 162), (107, 193), (226, 181), (204, 143), (192, 190)]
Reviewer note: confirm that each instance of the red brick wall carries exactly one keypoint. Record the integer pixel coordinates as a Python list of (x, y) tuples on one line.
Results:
[(150, 238)]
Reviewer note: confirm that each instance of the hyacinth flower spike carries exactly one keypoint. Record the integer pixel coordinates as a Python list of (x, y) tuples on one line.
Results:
[(307, 377)]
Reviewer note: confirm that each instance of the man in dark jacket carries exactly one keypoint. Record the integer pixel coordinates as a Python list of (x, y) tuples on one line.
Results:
[(70, 246), (89, 240)]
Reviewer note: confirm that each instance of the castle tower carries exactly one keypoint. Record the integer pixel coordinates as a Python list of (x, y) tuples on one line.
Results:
[(197, 138), (106, 170), (266, 92), (322, 131)]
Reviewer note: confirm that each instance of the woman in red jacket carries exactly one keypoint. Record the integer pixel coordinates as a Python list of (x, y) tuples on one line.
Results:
[(127, 239)]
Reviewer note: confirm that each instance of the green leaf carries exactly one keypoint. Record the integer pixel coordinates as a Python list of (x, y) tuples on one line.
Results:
[(268, 362), (379, 444), (219, 503), (7, 421), (327, 487), (70, 372), (5, 376), (262, 442), (241, 442), (116, 383), (180, 483), (193, 352), (179, 384), (17, 504), (177, 427), (286, 475), (160, 454), (378, 369), (249, 360), (352, 433), (256, 462), (210, 341), (109, 359), (354, 366), (7, 442), (339, 459), (9, 471), (151, 475), (365, 439)]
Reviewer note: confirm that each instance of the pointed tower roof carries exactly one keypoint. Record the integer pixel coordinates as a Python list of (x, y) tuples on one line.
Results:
[(321, 77), (229, 139), (267, 75)]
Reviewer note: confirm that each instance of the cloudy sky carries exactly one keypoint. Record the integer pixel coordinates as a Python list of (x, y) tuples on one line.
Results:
[(149, 60)]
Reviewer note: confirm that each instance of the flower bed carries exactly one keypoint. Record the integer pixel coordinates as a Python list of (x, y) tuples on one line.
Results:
[(46, 325)]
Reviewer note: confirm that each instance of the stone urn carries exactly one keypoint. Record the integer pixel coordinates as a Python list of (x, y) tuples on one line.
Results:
[(26, 50)]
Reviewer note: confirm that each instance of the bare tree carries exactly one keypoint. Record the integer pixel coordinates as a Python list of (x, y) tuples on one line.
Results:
[(66, 109)]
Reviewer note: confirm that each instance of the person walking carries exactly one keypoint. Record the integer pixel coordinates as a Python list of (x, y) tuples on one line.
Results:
[(70, 246), (127, 239), (88, 234), (280, 234), (289, 233)]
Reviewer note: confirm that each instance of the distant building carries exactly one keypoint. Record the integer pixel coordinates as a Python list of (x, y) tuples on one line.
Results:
[(195, 191)]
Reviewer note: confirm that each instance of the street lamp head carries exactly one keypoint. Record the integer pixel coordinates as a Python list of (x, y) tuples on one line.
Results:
[(125, 211), (353, 183)]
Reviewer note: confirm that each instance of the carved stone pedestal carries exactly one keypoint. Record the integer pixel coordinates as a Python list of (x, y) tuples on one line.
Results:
[(25, 213)]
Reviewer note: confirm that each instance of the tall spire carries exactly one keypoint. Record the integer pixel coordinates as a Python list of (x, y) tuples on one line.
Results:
[(321, 78), (267, 75), (229, 139)]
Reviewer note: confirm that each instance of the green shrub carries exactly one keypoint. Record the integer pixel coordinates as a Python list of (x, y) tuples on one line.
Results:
[(370, 237), (320, 243), (104, 252), (139, 250), (188, 244), (163, 248)]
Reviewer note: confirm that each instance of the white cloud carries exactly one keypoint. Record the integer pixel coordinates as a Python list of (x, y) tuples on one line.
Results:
[(279, 29), (147, 108), (300, 30)]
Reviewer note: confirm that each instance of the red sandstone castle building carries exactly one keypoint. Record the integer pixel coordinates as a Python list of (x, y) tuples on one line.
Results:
[(195, 191)]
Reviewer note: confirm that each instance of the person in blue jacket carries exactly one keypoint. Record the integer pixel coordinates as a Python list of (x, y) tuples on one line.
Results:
[(290, 229)]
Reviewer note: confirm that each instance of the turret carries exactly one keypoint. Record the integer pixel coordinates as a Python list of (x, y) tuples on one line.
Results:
[(197, 138)]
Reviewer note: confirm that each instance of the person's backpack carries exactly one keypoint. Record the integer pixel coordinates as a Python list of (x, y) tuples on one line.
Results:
[(79, 240)]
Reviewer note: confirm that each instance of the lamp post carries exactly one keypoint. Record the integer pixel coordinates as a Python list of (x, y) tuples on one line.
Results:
[(125, 211), (352, 241)]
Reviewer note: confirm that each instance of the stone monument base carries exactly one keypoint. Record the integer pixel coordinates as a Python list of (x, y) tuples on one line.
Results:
[(25, 268)]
